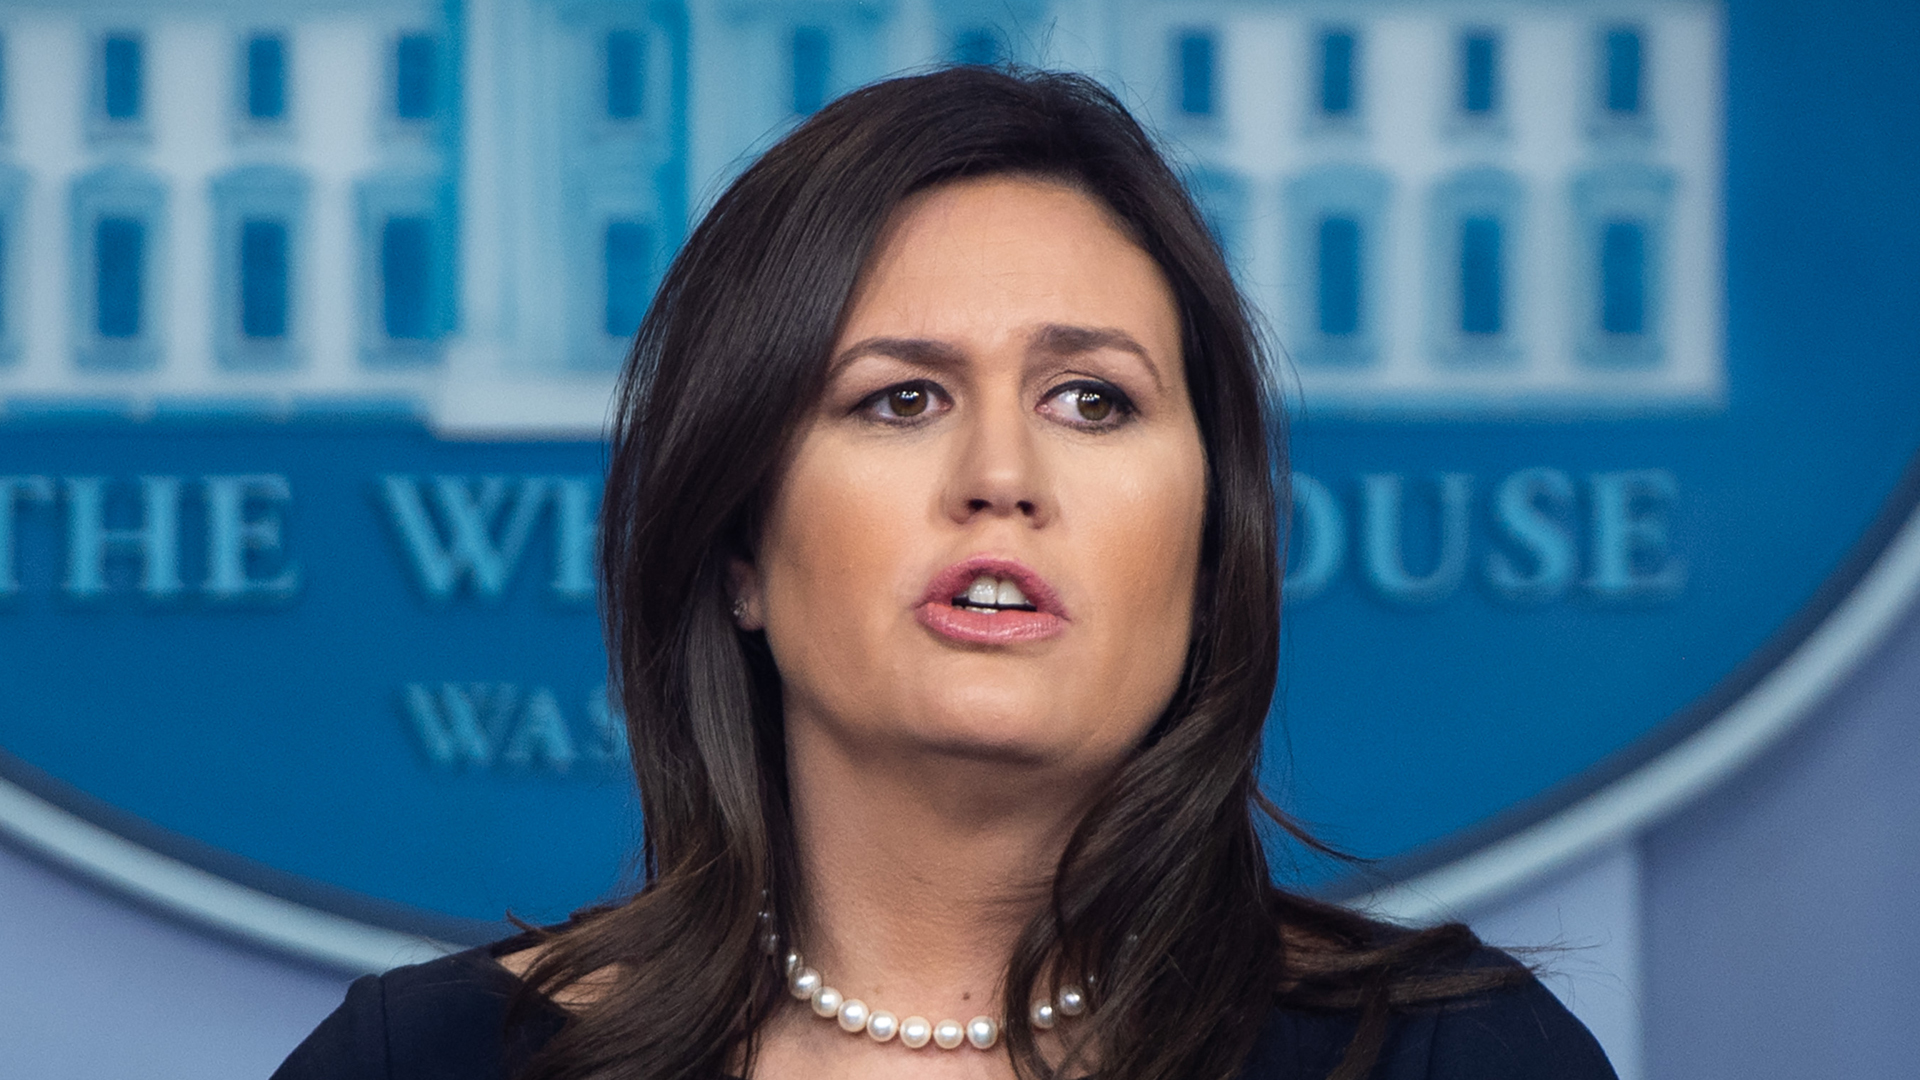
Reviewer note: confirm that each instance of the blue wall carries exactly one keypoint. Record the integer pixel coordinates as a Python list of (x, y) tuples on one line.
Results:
[(1779, 911)]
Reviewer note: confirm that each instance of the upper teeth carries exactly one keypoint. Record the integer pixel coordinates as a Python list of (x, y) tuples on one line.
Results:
[(990, 591)]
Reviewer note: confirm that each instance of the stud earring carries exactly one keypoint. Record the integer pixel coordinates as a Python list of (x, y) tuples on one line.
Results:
[(739, 610)]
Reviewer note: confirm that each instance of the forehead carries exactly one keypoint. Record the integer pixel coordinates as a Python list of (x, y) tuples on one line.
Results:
[(981, 257)]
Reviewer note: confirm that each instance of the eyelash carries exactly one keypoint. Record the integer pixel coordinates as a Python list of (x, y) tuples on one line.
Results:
[(870, 405), (1123, 409)]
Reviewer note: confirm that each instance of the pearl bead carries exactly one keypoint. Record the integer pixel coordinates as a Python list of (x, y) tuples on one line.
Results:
[(1072, 1000), (804, 983), (854, 1016)]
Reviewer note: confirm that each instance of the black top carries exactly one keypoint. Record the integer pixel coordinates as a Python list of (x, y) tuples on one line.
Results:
[(444, 1020)]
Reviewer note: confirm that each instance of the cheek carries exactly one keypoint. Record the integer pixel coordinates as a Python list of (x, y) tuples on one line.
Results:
[(838, 532), (1144, 528)]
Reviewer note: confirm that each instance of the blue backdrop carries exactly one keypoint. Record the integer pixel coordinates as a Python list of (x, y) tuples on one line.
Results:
[(347, 660)]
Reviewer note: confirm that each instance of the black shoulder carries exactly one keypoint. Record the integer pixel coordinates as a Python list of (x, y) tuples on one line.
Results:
[(442, 1020), (1522, 1032), (1519, 1032)]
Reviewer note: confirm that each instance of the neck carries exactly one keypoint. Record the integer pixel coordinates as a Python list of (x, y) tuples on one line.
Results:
[(922, 867)]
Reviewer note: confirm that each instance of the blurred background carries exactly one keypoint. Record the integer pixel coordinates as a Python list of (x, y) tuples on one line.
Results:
[(1601, 359)]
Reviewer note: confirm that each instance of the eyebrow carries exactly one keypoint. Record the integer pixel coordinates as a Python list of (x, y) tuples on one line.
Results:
[(922, 351), (1055, 339), (1059, 339)]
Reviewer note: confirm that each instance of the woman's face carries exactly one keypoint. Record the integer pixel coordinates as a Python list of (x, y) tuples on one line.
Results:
[(986, 539)]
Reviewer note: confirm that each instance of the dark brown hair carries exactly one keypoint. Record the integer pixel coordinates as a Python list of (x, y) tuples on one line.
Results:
[(1163, 895)]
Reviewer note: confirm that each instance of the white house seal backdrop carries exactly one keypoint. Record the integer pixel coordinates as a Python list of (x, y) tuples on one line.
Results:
[(310, 311)]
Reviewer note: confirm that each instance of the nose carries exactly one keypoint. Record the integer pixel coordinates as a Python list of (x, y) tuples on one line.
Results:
[(999, 468)]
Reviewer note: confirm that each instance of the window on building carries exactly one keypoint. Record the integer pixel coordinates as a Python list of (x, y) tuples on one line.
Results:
[(812, 55), (406, 278), (258, 220), (415, 72), (629, 251), (1623, 213), (121, 76), (408, 286), (1623, 75), (1334, 221), (266, 77), (978, 46), (6, 283), (13, 186), (1195, 59), (119, 259), (1480, 276), (1336, 72), (1623, 278), (1221, 196), (1480, 73), (626, 57), (263, 278), (118, 233), (1339, 275), (1475, 250)]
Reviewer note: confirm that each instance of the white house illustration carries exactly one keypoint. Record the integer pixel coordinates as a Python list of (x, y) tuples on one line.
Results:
[(459, 209)]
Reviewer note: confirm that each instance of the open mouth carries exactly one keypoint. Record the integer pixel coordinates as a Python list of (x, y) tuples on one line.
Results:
[(988, 593), (991, 601)]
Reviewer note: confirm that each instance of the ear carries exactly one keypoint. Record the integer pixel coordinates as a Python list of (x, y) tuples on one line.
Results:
[(743, 585)]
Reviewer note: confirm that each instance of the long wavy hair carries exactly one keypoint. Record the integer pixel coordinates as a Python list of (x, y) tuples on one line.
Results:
[(1163, 897)]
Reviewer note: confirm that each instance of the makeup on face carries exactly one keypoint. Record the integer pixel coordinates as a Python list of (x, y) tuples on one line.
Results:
[(987, 535), (989, 601)]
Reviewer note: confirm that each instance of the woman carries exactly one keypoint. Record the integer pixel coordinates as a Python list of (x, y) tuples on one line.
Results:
[(940, 569)]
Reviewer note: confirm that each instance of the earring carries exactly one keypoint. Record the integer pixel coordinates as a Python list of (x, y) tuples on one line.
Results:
[(739, 610)]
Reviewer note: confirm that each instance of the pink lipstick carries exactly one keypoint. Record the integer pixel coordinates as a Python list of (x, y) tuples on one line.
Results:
[(947, 610)]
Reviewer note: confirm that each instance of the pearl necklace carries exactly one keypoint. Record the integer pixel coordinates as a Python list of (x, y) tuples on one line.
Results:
[(854, 1016)]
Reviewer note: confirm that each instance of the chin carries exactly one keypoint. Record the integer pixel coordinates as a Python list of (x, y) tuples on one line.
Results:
[(998, 727)]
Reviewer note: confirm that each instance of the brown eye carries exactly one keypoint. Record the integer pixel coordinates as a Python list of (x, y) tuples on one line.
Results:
[(909, 403), (1092, 405), (907, 400), (1089, 405)]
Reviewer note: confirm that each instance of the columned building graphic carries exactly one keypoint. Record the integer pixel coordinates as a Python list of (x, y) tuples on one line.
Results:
[(1452, 208), (460, 209)]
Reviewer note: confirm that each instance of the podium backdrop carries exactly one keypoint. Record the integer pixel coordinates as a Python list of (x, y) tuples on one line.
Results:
[(1601, 367)]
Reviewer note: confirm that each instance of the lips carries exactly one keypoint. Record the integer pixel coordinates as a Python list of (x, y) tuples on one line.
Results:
[(973, 626)]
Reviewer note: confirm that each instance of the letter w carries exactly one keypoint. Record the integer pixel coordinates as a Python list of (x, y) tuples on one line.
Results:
[(473, 548), (461, 725)]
